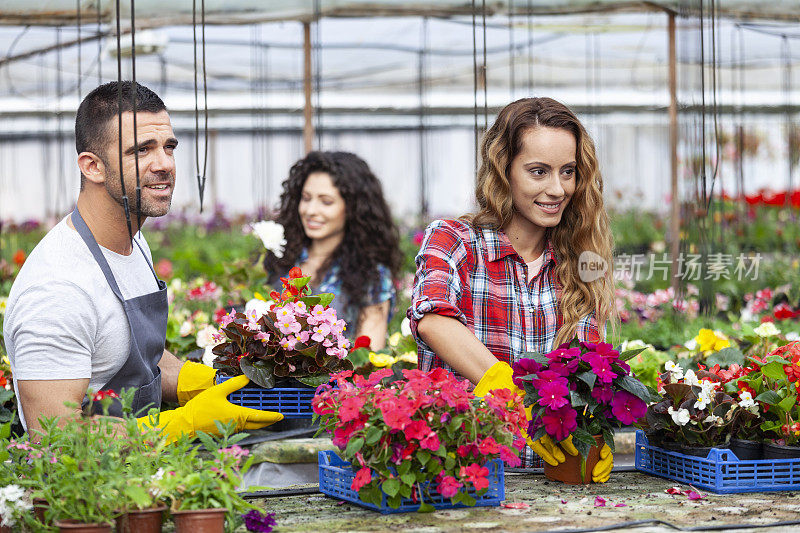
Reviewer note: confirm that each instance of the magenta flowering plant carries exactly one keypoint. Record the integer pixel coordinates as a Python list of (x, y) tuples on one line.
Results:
[(581, 389), (420, 436), (298, 336)]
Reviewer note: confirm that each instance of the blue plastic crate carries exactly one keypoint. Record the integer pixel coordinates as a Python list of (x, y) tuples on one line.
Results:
[(290, 402), (721, 472), (336, 476)]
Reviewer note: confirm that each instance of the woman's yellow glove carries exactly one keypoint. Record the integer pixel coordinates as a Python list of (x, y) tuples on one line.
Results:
[(193, 379), (210, 405), (499, 376)]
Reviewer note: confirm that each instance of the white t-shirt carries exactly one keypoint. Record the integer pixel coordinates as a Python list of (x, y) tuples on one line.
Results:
[(534, 267), (62, 319)]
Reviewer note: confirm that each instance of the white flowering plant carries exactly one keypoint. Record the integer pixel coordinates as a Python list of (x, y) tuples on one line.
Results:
[(694, 408), (14, 505)]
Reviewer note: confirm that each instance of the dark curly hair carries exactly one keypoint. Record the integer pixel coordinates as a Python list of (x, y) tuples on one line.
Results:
[(370, 236)]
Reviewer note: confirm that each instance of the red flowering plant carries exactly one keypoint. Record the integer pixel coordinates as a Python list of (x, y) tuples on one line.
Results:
[(773, 384), (298, 336), (419, 436), (581, 389)]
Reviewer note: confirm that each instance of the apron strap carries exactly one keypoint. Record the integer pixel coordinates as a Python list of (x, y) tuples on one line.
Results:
[(91, 242)]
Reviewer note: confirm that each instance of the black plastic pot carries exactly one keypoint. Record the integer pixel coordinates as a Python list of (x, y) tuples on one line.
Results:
[(699, 451), (747, 450), (778, 451)]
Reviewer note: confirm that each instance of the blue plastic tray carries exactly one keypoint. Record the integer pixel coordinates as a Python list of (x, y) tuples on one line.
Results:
[(336, 476), (721, 472), (290, 402)]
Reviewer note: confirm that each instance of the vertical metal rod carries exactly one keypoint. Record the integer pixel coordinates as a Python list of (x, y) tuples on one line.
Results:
[(675, 205), (308, 111), (423, 188), (125, 205)]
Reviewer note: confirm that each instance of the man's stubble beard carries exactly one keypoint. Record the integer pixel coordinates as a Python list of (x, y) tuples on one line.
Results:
[(114, 189)]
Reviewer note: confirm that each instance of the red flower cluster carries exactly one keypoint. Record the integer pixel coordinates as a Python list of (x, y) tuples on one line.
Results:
[(775, 199), (428, 422), (103, 394), (291, 292), (208, 291)]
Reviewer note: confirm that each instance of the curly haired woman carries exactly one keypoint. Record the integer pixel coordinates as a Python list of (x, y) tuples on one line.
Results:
[(505, 280), (339, 231)]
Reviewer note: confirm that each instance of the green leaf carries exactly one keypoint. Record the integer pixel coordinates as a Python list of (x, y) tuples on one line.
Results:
[(725, 358), (314, 381), (326, 298), (426, 508), (424, 456), (449, 463), (359, 357), (299, 283), (353, 446), (373, 436), (627, 355), (539, 358), (635, 387), (137, 495), (394, 501), (773, 370), (589, 378), (405, 491), (391, 487), (787, 403), (468, 500), (608, 438), (260, 372), (576, 399), (769, 397), (408, 478)]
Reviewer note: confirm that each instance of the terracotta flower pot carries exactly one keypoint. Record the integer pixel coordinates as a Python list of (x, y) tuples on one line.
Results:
[(40, 505), (570, 470), (141, 520), (200, 521), (5, 529), (73, 526)]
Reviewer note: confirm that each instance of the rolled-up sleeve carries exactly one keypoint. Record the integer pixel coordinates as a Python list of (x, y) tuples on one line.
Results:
[(437, 285)]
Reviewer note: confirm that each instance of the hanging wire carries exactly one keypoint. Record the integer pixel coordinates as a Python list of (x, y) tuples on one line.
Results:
[(201, 177), (530, 50), (61, 187), (485, 71), (475, 79), (125, 205), (135, 130), (80, 46), (790, 129), (99, 45), (423, 178), (511, 49), (317, 54)]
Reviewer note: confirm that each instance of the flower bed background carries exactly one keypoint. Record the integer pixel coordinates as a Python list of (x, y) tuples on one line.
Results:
[(210, 263)]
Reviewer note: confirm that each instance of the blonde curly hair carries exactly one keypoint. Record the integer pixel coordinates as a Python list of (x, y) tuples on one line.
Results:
[(584, 225)]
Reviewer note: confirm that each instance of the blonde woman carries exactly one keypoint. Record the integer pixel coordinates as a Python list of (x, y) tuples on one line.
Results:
[(506, 280)]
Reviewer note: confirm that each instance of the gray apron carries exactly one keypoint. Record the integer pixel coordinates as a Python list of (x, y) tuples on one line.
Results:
[(147, 318)]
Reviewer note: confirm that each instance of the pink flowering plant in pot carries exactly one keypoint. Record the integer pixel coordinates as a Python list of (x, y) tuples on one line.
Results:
[(581, 390), (420, 437), (298, 336)]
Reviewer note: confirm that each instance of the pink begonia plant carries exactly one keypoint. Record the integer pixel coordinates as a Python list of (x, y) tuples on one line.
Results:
[(422, 435), (299, 337)]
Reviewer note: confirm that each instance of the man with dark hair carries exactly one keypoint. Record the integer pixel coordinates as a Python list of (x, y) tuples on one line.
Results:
[(87, 310)]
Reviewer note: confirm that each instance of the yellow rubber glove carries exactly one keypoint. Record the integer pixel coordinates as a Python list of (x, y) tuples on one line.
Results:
[(193, 379), (499, 376), (200, 413)]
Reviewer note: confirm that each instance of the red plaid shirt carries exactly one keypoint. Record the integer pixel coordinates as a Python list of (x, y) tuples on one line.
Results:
[(476, 276)]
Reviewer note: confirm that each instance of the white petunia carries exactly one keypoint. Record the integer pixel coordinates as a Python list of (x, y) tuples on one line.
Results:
[(405, 327), (767, 329), (272, 235), (259, 306), (674, 369), (691, 379), (205, 337), (691, 344), (680, 417)]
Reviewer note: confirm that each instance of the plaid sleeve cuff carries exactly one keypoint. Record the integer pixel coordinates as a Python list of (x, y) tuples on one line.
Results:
[(588, 330)]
